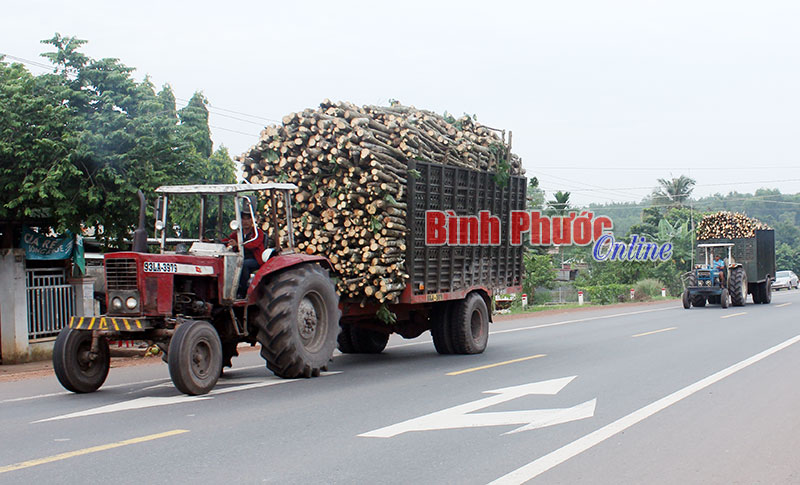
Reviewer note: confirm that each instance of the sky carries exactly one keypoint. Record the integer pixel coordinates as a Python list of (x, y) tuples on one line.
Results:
[(603, 97)]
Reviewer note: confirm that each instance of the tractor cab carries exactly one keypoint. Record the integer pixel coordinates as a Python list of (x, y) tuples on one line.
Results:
[(708, 281), (222, 208), (709, 273)]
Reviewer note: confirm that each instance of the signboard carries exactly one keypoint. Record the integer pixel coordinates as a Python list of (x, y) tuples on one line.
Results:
[(40, 247)]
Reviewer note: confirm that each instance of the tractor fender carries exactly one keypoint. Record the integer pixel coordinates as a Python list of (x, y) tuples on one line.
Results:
[(281, 262)]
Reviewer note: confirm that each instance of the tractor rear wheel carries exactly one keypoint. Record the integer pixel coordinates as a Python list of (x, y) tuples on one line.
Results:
[(298, 321), (469, 325), (737, 286), (195, 357), (75, 366)]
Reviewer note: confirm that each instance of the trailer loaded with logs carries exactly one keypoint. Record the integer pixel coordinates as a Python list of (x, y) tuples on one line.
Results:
[(749, 263), (343, 192)]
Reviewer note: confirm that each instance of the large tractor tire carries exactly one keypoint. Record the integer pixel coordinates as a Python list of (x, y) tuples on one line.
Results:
[(766, 291), (195, 357), (76, 369), (469, 325), (737, 286), (440, 328), (298, 321), (358, 340), (696, 300)]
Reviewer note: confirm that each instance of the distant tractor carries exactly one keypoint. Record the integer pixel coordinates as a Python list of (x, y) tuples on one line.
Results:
[(186, 303), (716, 285)]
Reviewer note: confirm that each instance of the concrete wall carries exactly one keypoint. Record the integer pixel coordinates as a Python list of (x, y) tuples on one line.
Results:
[(13, 307)]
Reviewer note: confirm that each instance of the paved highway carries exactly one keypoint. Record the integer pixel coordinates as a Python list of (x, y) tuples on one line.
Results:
[(631, 394)]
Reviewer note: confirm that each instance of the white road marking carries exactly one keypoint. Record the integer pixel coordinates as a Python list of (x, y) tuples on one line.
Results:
[(783, 304), (459, 417), (544, 325), (734, 315), (153, 401), (555, 458), (165, 381)]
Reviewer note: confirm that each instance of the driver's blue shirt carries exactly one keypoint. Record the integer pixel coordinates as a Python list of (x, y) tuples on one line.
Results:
[(719, 263)]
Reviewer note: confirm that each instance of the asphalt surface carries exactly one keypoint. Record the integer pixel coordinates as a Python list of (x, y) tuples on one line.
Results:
[(631, 394)]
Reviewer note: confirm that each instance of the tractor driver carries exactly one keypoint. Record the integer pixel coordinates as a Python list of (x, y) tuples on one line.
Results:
[(719, 264), (253, 251)]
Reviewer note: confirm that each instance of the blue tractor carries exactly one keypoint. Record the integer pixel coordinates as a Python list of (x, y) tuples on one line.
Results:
[(707, 282)]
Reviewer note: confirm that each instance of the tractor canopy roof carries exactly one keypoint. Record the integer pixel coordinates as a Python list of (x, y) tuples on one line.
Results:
[(222, 189)]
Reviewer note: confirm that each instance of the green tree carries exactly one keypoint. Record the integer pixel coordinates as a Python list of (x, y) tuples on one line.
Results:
[(673, 192), (559, 205), (77, 144), (538, 272), (535, 195), (194, 124), (38, 136)]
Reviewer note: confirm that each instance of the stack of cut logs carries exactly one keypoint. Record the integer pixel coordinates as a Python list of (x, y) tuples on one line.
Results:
[(728, 225), (351, 165)]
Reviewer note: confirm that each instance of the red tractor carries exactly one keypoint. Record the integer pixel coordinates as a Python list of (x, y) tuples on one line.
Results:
[(185, 300)]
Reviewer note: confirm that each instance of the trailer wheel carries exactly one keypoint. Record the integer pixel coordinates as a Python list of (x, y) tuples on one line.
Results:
[(195, 357), (298, 321), (75, 368), (699, 301), (366, 341), (737, 286), (687, 304), (723, 298), (344, 342), (440, 328), (470, 325), (766, 292)]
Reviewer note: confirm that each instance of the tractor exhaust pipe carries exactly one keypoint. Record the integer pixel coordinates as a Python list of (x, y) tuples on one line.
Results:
[(140, 234)]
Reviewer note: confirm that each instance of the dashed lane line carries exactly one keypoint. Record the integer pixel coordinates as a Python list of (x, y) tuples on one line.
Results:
[(498, 364), (734, 315), (86, 451), (653, 332)]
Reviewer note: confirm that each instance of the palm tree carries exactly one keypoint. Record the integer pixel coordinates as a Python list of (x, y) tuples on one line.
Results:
[(673, 192), (560, 205)]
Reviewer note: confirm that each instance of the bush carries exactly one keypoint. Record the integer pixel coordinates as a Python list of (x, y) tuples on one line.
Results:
[(542, 296), (605, 294), (648, 287)]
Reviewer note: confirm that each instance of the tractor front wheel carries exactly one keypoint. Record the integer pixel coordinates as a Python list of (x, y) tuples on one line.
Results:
[(195, 357), (77, 368), (687, 303), (723, 298), (298, 321)]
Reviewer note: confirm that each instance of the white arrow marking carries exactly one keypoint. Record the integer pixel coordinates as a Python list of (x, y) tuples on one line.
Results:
[(149, 402), (458, 417)]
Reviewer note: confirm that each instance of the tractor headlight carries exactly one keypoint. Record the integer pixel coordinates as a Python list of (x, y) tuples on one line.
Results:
[(159, 225), (116, 303), (131, 303)]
